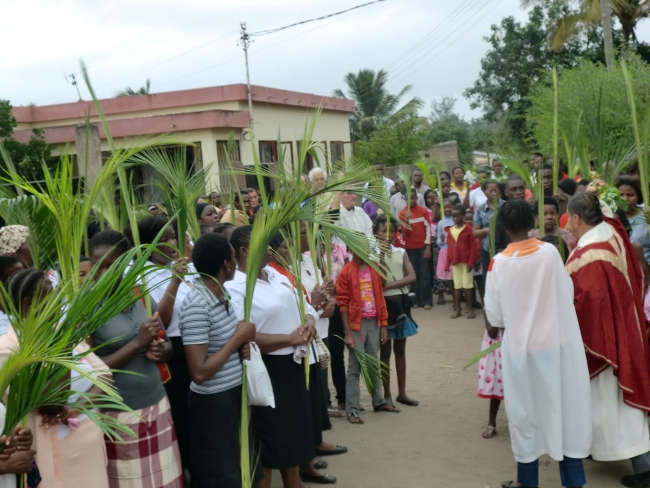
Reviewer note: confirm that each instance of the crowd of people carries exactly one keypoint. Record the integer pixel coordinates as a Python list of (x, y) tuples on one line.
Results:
[(573, 366)]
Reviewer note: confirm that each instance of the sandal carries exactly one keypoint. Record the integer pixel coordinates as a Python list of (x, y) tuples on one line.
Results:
[(386, 408), (441, 301), (455, 315), (471, 315), (427, 307), (354, 418), (489, 432), (335, 413)]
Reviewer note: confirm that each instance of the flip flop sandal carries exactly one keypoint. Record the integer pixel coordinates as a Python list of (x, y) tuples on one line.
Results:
[(382, 408), (491, 431), (354, 418), (410, 403), (335, 413)]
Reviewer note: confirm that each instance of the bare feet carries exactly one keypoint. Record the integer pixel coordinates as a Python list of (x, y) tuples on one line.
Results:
[(456, 314), (489, 432)]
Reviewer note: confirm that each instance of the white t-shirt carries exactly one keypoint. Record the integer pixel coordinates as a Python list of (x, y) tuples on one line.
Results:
[(275, 306), (477, 198), (309, 281)]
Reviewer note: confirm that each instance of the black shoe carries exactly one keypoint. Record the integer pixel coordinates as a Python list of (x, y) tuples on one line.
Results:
[(320, 464), (641, 480), (331, 452), (325, 479)]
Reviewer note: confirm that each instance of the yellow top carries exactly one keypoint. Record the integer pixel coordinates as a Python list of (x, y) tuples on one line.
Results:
[(455, 231)]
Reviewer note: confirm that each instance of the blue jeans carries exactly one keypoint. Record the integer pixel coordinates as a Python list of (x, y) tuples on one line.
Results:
[(572, 473)]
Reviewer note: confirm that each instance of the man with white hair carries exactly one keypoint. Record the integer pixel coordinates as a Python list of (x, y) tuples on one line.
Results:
[(318, 177)]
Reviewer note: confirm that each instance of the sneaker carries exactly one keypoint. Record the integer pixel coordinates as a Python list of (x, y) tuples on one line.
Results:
[(641, 480)]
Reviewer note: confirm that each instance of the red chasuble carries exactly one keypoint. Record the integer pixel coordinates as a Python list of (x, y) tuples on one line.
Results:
[(608, 296)]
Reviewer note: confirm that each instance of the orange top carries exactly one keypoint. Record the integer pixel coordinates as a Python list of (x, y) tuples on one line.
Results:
[(522, 248)]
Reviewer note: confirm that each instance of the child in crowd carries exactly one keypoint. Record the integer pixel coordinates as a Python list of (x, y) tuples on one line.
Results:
[(365, 325), (461, 257), (551, 213), (490, 377), (443, 274), (478, 269)]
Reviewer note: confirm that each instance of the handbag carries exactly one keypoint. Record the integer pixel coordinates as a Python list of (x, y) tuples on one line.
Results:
[(258, 382), (323, 353)]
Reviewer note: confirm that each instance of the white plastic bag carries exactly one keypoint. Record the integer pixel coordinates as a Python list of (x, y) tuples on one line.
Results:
[(258, 382)]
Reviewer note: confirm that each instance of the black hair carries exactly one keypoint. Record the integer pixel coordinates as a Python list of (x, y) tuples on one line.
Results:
[(512, 178), (199, 208), (448, 199), (210, 252), (587, 207), (426, 195), (6, 262), (583, 182), (206, 229), (633, 182), (241, 237), (485, 169), (459, 208), (148, 229), (538, 154), (379, 220), (24, 285), (277, 239), (446, 174), (83, 259), (568, 186), (244, 192), (110, 239), (221, 228), (485, 184), (545, 166), (517, 216), (377, 163), (454, 170), (549, 201)]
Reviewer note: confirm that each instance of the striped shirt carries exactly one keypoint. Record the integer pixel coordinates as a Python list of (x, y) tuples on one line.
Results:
[(204, 319)]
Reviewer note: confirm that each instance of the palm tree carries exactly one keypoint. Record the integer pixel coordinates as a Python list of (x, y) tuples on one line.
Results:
[(129, 92), (374, 105), (591, 12)]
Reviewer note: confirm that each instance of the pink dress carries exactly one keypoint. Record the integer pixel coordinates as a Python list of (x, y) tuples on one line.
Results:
[(490, 376)]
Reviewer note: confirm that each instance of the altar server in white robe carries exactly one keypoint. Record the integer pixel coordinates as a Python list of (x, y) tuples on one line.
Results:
[(545, 374)]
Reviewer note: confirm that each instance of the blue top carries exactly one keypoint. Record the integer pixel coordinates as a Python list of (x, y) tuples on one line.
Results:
[(640, 233), (483, 217), (440, 234)]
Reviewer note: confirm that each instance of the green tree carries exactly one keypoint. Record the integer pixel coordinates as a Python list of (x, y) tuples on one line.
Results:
[(129, 92), (27, 157), (517, 59), (374, 105), (588, 14), (393, 143)]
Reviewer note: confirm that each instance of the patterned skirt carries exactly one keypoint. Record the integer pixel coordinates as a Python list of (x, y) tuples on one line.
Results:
[(150, 460), (490, 375)]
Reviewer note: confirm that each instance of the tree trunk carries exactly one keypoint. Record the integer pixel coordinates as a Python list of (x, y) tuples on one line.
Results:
[(606, 15)]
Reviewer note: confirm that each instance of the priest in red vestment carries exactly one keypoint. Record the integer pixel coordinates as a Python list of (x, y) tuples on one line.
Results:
[(608, 298)]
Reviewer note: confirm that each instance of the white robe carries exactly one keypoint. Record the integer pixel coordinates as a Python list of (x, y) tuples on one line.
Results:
[(545, 374)]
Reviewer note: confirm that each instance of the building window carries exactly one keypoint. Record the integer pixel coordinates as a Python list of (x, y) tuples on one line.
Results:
[(308, 163), (222, 151), (336, 151)]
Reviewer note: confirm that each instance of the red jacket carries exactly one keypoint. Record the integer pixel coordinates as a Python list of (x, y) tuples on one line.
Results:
[(348, 294), (463, 251)]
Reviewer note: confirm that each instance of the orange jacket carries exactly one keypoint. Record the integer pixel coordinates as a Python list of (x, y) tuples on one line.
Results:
[(348, 294)]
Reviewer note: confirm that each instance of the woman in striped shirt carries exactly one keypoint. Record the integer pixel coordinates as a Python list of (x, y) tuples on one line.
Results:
[(215, 343)]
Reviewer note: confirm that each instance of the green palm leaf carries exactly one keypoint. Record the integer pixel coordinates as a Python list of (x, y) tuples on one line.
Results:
[(482, 354)]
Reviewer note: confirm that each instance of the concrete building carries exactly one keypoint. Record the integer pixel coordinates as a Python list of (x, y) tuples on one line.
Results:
[(205, 117)]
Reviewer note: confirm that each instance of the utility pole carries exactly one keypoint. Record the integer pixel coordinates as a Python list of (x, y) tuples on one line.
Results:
[(245, 39), (606, 16)]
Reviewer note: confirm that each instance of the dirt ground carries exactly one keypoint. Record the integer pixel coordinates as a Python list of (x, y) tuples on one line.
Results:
[(439, 442)]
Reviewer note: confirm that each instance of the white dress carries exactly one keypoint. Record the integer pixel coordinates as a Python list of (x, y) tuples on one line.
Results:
[(545, 374)]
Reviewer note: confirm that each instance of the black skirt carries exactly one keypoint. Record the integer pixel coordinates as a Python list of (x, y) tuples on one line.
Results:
[(177, 389), (286, 431), (319, 418), (214, 432)]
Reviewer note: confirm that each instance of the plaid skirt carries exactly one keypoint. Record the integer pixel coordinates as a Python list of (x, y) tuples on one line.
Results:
[(150, 460)]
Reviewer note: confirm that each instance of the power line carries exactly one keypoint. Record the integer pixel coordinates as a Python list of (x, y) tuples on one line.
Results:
[(278, 29), (437, 31)]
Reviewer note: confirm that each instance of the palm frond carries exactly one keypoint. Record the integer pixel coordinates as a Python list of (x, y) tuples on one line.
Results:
[(482, 354)]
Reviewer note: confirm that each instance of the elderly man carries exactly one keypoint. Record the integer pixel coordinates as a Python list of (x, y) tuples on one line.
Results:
[(608, 298)]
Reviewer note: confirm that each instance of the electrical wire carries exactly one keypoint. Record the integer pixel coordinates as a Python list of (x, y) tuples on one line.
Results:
[(278, 29)]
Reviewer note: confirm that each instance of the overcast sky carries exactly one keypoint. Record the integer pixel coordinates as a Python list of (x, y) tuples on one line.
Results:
[(435, 45)]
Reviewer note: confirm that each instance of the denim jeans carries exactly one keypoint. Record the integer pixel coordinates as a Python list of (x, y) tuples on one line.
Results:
[(422, 267), (572, 473)]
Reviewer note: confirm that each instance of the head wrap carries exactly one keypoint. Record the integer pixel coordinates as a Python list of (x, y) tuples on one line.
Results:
[(200, 207), (568, 186), (11, 238)]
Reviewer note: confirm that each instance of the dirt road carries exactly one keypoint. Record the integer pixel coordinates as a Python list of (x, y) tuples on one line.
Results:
[(439, 442)]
